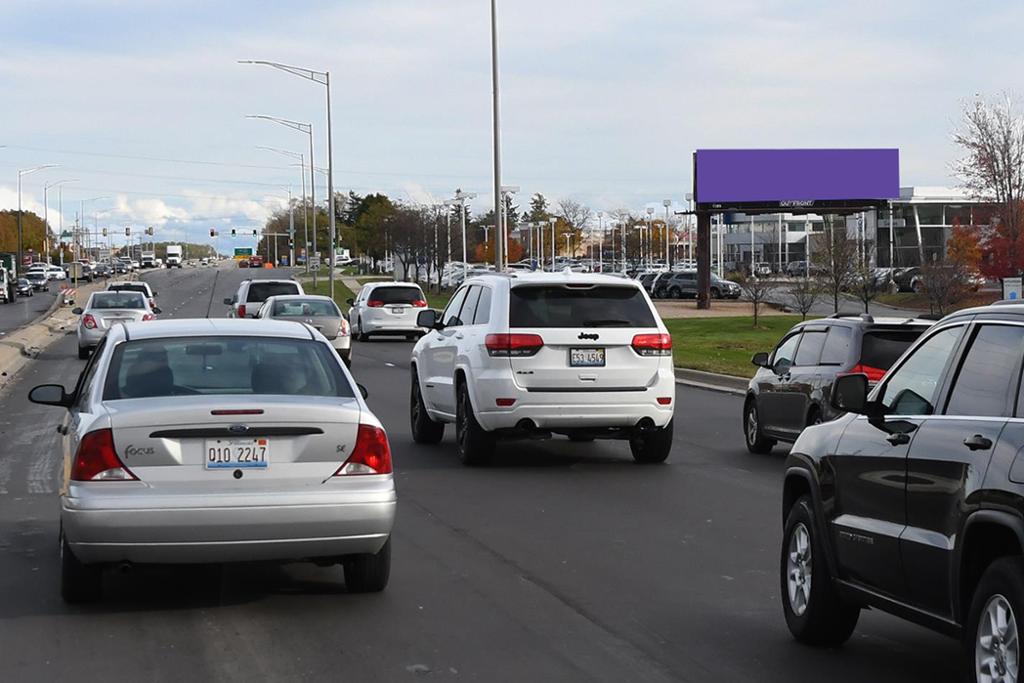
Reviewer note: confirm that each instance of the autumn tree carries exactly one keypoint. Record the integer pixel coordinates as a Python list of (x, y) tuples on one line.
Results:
[(538, 209)]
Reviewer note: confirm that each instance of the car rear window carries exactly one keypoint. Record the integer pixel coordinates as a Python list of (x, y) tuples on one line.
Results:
[(107, 300), (881, 348), (141, 289), (261, 291), (148, 368), (561, 306), (396, 295), (299, 309)]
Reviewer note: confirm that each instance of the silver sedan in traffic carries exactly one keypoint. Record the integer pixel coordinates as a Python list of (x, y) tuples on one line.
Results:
[(104, 310), (209, 441), (318, 311)]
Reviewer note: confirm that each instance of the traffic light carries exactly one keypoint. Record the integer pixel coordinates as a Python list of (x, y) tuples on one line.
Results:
[(233, 232), (104, 232), (149, 230), (213, 233), (127, 231), (254, 233)]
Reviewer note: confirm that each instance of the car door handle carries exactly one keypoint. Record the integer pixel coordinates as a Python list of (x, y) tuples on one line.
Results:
[(978, 443), (898, 439)]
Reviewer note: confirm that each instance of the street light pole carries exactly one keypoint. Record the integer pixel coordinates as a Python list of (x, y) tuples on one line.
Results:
[(46, 214), (500, 235), (667, 203), (305, 220), (600, 241), (24, 172), (503, 232), (554, 241)]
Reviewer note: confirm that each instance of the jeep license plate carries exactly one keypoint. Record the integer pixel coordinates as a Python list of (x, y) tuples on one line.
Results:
[(586, 358)]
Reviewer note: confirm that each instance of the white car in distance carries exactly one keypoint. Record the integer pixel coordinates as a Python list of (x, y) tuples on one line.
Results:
[(531, 355), (387, 308)]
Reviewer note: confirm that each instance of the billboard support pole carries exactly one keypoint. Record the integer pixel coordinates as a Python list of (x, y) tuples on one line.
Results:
[(703, 260)]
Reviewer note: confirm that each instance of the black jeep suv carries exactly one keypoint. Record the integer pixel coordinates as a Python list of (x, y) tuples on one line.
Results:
[(792, 387), (913, 500)]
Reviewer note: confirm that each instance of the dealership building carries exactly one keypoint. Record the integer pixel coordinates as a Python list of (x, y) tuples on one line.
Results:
[(917, 233)]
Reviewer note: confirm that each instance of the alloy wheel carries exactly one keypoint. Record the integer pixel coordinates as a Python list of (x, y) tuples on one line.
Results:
[(752, 425), (997, 649), (798, 569)]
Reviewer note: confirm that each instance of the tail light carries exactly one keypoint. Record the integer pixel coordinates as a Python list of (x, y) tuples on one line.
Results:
[(513, 345), (241, 310), (89, 322), (874, 374), (343, 328), (96, 459), (419, 303), (375, 303), (653, 344), (148, 316), (372, 454)]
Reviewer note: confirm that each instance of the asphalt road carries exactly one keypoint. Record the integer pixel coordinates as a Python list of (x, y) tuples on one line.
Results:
[(562, 562), (25, 309)]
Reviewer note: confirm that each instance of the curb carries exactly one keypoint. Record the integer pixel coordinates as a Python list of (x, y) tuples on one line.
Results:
[(711, 381)]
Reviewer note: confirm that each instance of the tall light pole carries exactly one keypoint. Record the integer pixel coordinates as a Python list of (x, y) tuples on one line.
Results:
[(667, 203), (499, 256), (600, 240), (554, 241), (46, 214), (24, 172), (307, 128), (305, 214), (81, 217), (461, 198), (323, 78), (503, 231)]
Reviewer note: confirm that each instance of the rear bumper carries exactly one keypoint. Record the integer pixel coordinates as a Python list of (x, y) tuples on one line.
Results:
[(199, 529), (90, 337)]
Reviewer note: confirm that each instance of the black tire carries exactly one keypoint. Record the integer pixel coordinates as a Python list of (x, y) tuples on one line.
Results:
[(716, 293), (368, 573), (755, 439), (78, 582), (814, 615), (424, 430), (1003, 579), (654, 446), (475, 445), (83, 352), (675, 294), (362, 337)]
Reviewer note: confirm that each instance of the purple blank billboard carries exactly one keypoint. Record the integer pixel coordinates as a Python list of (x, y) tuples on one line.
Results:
[(745, 177)]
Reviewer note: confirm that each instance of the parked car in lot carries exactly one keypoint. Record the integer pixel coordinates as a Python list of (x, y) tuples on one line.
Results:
[(912, 502), (387, 308), (23, 287), (217, 441), (536, 354), (252, 293), (39, 280), (793, 384), (104, 310), (320, 312), (762, 269), (683, 284)]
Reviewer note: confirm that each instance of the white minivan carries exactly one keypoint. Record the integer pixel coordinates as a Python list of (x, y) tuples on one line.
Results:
[(387, 308)]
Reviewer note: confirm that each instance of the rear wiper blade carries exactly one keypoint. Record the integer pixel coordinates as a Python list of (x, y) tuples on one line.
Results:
[(608, 322)]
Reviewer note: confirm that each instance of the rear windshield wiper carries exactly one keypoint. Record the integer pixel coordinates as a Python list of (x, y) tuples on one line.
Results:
[(607, 322)]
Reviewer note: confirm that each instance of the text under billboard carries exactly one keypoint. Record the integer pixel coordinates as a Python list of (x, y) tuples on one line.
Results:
[(795, 179)]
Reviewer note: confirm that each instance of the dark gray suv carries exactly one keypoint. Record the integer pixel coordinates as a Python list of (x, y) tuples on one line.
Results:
[(792, 387)]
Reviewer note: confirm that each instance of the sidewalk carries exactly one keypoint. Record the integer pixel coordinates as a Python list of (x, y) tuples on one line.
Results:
[(712, 381)]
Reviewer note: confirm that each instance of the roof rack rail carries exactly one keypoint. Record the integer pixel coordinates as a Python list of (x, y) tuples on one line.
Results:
[(1007, 302), (866, 317), (930, 316)]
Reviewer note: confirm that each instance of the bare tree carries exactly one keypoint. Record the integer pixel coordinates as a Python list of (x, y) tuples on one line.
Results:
[(756, 290), (866, 283), (944, 285), (835, 258), (804, 295)]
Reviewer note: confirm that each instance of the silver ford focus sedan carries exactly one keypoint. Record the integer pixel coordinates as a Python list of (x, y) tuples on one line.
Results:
[(208, 441)]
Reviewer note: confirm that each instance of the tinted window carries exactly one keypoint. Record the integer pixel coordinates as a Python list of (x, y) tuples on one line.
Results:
[(881, 348), (469, 308), (223, 365), (261, 291), (85, 380), (911, 389), (558, 306), (810, 347), (786, 350), (396, 295), (303, 309), (142, 289), (837, 346), (451, 313), (106, 300), (985, 380), (483, 307)]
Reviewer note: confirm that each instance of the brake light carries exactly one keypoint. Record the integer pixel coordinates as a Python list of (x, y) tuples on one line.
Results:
[(371, 455), (375, 303), (653, 344), (89, 322), (343, 330), (241, 310), (148, 316), (96, 459), (874, 374), (513, 345), (419, 303)]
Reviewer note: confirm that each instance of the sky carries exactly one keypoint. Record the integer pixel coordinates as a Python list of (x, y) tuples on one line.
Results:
[(142, 102)]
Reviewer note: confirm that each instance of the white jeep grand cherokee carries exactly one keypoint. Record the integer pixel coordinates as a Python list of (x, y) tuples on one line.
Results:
[(529, 355)]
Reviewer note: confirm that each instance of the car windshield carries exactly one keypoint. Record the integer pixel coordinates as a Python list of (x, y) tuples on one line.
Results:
[(261, 291), (584, 306), (217, 365), (106, 300), (303, 308), (396, 295)]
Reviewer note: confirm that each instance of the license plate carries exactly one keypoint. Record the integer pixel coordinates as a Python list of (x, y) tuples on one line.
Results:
[(236, 454), (397, 309), (586, 358)]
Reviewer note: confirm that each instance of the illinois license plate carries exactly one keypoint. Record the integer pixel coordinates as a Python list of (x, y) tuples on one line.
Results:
[(397, 310), (237, 454), (586, 358)]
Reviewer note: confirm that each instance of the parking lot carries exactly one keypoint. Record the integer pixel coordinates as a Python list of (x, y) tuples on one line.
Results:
[(561, 561)]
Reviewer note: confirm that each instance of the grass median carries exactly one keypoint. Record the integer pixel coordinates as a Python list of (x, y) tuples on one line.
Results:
[(725, 345), (323, 287)]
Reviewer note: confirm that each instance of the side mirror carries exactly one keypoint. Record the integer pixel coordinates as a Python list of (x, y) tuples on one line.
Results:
[(850, 394), (350, 302), (50, 395), (228, 301), (156, 309), (363, 392), (76, 311), (760, 359), (154, 292), (428, 319)]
